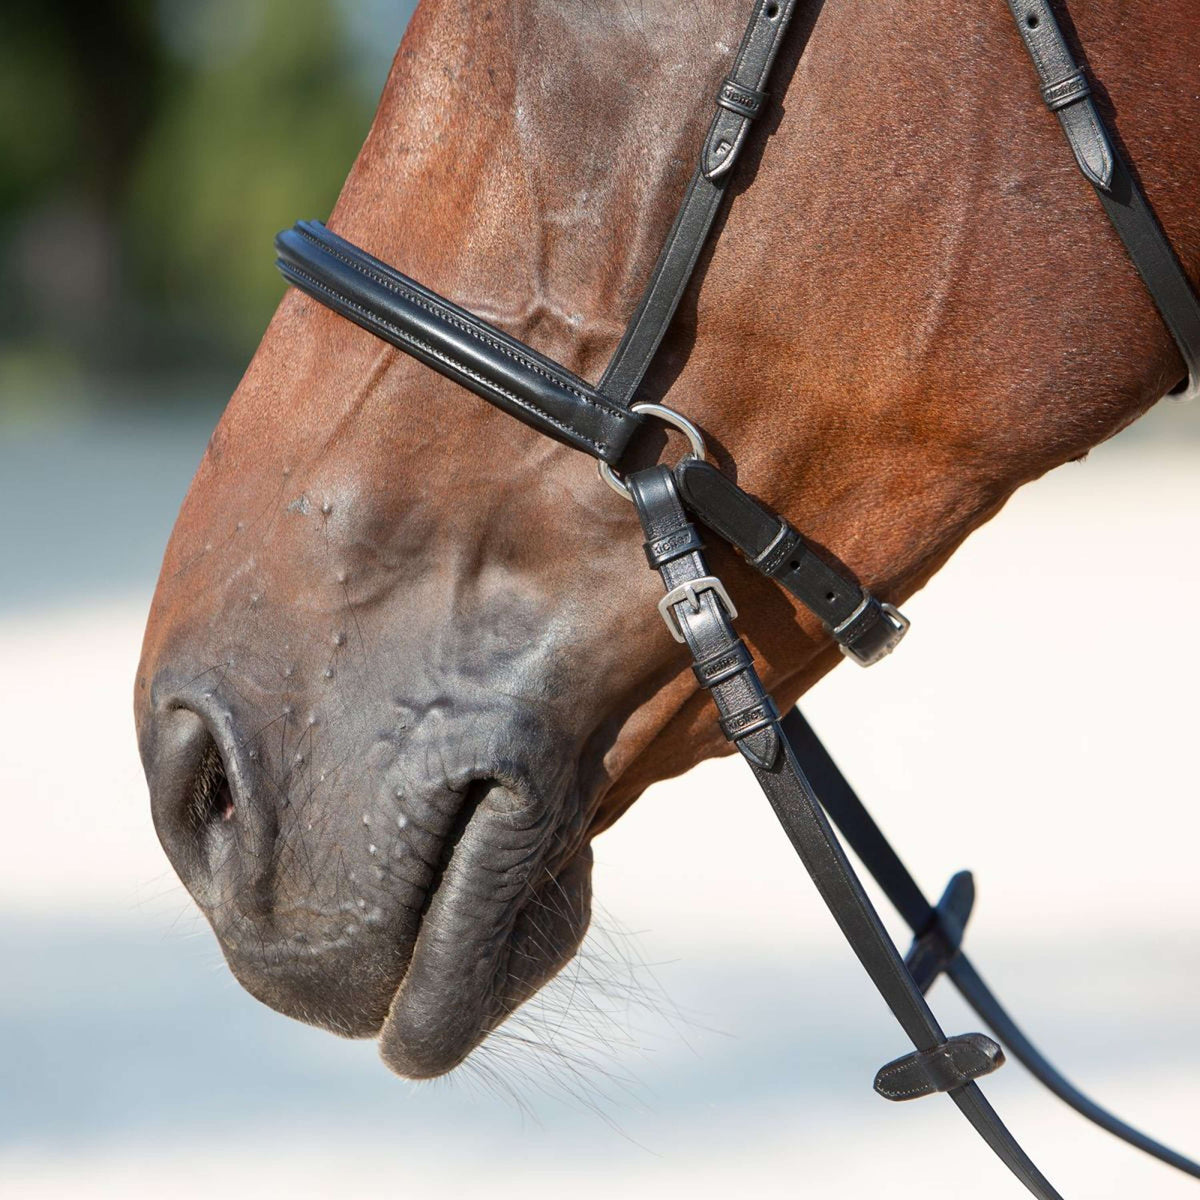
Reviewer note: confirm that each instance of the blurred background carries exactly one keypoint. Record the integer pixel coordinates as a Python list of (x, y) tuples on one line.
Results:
[(714, 1037)]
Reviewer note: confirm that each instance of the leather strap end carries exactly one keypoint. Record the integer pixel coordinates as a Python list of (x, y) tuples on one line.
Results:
[(872, 632), (755, 732), (1089, 142), (761, 748), (724, 142), (955, 1063), (1064, 88)]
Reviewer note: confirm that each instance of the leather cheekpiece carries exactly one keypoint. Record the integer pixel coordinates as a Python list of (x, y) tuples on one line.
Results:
[(721, 661)]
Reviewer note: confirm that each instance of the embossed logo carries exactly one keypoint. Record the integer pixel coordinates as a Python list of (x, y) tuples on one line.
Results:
[(673, 541)]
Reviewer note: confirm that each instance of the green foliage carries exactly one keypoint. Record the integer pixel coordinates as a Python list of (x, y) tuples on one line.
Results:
[(180, 136), (259, 137)]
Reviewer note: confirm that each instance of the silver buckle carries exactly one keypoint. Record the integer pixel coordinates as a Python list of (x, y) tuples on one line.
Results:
[(895, 618), (690, 592)]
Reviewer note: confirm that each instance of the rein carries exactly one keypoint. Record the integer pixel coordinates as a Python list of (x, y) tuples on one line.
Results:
[(801, 781)]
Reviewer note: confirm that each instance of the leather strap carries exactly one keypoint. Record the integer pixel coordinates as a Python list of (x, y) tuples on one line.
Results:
[(708, 632), (866, 630), (452, 341), (739, 100), (722, 663), (1066, 91), (943, 926)]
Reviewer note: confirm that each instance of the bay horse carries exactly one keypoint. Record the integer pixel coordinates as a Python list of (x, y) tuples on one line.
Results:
[(395, 676)]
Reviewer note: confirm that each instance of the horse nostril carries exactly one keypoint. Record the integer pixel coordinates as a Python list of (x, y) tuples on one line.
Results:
[(212, 796), (199, 806)]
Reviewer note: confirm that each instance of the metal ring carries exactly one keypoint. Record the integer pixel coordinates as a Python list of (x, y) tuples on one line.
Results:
[(670, 417)]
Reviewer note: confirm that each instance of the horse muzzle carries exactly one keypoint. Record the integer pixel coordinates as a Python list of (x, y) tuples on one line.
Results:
[(419, 890)]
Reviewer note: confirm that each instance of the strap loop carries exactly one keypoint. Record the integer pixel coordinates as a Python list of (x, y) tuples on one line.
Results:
[(1066, 91), (737, 98), (722, 666), (935, 947), (672, 545), (749, 720)]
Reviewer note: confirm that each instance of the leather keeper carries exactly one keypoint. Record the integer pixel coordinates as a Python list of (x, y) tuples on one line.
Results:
[(953, 1064), (745, 721), (867, 632), (788, 545), (746, 102), (723, 666), (1066, 91), (938, 943), (680, 541)]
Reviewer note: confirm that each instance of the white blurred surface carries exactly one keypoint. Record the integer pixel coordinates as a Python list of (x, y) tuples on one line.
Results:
[(1040, 717)]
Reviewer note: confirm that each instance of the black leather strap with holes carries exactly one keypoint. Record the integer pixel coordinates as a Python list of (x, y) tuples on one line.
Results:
[(739, 100), (864, 628), (1066, 92), (750, 721)]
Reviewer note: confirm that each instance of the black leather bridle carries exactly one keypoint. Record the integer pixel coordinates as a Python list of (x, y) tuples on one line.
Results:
[(801, 781)]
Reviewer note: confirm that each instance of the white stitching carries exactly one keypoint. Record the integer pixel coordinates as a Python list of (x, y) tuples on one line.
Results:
[(433, 352), (470, 330)]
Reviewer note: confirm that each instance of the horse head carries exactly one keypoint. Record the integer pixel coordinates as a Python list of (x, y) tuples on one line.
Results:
[(402, 662)]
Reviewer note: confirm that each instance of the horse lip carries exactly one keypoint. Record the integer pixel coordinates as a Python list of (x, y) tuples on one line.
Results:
[(446, 1000)]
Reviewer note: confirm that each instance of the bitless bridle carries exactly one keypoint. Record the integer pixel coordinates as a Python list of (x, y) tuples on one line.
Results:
[(801, 781)]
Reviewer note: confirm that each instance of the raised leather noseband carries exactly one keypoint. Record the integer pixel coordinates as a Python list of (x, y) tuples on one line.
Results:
[(511, 375), (793, 768)]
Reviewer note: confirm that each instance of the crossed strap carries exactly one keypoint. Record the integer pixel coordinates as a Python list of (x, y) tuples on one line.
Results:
[(750, 720), (806, 789)]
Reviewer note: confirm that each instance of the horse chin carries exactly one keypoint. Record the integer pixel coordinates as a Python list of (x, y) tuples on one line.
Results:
[(504, 916), (487, 942)]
